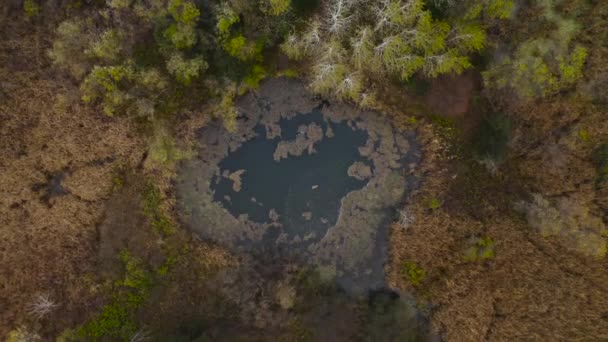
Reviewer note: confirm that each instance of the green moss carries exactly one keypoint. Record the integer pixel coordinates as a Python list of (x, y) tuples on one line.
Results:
[(418, 86), (226, 19), (152, 207), (31, 8), (412, 274), (448, 132), (492, 136), (434, 204), (255, 76), (117, 319), (483, 249), (600, 158), (583, 134), (117, 182), (289, 73), (183, 12)]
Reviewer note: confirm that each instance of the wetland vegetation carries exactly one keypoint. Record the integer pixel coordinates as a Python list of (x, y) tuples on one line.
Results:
[(299, 170)]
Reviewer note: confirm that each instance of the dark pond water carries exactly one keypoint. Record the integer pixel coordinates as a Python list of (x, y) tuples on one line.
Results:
[(311, 238), (312, 183)]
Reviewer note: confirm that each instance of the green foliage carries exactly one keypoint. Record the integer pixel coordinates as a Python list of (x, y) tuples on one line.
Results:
[(571, 69), (583, 134), (500, 9), (119, 4), (483, 249), (31, 8), (534, 74), (391, 318), (600, 158), (22, 334), (412, 274), (108, 47), (117, 319), (492, 136), (235, 45), (103, 83), (124, 72), (255, 76), (418, 86), (278, 7), (446, 129), (181, 36), (118, 180), (239, 47), (289, 73), (376, 39), (185, 70), (226, 110), (69, 46), (570, 221), (543, 65), (434, 203), (226, 18), (152, 207), (183, 12), (136, 277)]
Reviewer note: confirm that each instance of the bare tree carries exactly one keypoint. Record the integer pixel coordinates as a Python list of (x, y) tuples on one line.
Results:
[(338, 20), (141, 335), (41, 306), (405, 218)]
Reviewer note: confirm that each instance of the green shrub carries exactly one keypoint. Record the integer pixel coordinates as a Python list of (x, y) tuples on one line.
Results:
[(183, 11), (412, 274), (434, 203), (117, 320), (583, 134), (255, 76), (501, 9), (69, 46), (492, 136), (181, 36), (31, 8), (108, 47), (483, 249), (185, 70), (152, 208), (544, 64), (226, 110), (226, 18), (119, 4), (600, 158), (278, 7)]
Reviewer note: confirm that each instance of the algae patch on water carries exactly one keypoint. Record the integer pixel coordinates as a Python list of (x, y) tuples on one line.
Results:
[(318, 180)]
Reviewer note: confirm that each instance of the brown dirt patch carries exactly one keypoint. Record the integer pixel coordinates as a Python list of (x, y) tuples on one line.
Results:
[(450, 95)]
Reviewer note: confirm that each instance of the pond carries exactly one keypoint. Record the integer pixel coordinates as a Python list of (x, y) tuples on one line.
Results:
[(317, 181)]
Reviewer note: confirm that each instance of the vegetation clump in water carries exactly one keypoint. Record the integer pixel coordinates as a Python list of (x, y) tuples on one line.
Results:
[(320, 180)]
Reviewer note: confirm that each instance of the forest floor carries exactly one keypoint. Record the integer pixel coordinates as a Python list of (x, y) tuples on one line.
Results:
[(71, 176), (489, 274), (69, 202)]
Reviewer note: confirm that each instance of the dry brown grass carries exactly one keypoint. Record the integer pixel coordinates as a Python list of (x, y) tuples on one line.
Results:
[(65, 246), (533, 289), (49, 246)]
